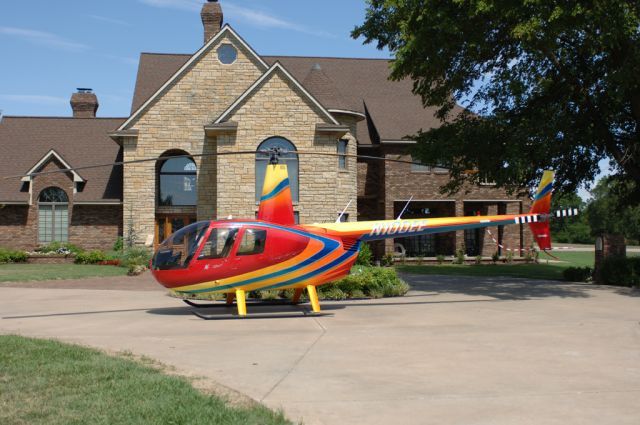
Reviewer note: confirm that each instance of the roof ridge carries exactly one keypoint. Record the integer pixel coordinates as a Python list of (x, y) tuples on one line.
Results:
[(166, 54), (58, 117), (277, 56), (324, 57)]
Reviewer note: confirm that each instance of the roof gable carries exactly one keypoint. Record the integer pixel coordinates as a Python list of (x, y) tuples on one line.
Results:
[(276, 67), (225, 31), (52, 154)]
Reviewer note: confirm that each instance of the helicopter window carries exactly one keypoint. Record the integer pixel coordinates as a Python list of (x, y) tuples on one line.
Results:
[(177, 251), (252, 242), (219, 243)]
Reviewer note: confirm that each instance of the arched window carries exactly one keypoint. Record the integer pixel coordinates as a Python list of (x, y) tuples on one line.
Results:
[(53, 215), (177, 182), (291, 159)]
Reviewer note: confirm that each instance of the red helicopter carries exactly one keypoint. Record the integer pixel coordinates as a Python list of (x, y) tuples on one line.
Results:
[(234, 257), (237, 256)]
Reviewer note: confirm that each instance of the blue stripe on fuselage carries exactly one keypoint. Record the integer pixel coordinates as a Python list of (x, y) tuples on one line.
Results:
[(329, 245)]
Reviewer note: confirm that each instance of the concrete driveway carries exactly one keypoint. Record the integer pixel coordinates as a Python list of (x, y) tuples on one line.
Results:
[(454, 351)]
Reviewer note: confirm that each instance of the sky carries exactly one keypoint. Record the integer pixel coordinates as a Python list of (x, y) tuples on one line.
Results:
[(50, 48)]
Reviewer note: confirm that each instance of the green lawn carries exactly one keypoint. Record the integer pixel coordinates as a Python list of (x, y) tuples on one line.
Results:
[(543, 270), (47, 382), (26, 272)]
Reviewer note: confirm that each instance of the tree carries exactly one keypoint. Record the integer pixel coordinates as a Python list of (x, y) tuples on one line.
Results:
[(608, 212), (571, 229), (553, 84)]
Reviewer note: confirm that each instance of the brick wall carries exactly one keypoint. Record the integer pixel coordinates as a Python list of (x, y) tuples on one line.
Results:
[(90, 227), (400, 182)]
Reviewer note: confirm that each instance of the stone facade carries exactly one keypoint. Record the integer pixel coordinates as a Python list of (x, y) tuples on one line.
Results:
[(176, 120), (226, 184)]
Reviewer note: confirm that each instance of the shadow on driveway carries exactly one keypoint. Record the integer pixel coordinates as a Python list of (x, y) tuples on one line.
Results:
[(502, 288)]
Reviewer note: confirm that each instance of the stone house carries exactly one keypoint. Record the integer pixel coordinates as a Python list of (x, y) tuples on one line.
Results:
[(226, 97)]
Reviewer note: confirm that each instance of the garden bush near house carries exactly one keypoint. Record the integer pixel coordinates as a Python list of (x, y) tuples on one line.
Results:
[(620, 271), (365, 256), (118, 244), (577, 274), (12, 256), (91, 257), (135, 256), (440, 258), (368, 282), (59, 247), (363, 282), (459, 259)]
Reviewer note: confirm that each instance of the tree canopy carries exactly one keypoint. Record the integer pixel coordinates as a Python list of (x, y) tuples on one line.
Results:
[(552, 84)]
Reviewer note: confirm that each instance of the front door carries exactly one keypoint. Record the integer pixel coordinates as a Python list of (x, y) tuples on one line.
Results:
[(170, 223)]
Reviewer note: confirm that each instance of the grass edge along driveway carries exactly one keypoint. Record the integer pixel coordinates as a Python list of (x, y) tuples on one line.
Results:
[(49, 382), (547, 268)]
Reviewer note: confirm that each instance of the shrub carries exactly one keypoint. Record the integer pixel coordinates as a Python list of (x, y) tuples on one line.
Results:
[(620, 271), (509, 257), (459, 257), (387, 260), (440, 258), (530, 256), (577, 274), (12, 256), (478, 259), (136, 256), (91, 257), (495, 257), (118, 244), (374, 282), (364, 256), (60, 247)]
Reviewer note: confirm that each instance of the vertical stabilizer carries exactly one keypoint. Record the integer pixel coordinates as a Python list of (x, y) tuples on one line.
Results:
[(542, 205), (275, 201)]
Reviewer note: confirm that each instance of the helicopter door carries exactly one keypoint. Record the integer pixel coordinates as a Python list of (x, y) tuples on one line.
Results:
[(251, 248), (218, 246)]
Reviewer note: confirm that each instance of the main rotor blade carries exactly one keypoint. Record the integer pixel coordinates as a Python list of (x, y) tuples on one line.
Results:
[(133, 161), (253, 152)]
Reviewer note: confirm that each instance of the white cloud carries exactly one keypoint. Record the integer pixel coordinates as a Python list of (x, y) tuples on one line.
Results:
[(43, 38), (266, 20), (234, 12), (193, 5), (123, 59), (110, 20), (34, 99)]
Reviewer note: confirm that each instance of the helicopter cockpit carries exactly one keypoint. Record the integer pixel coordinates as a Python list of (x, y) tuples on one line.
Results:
[(177, 251)]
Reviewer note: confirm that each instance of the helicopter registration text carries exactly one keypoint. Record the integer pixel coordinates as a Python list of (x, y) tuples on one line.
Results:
[(394, 227)]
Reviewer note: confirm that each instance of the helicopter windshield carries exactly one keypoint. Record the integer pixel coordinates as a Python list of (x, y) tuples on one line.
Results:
[(177, 251)]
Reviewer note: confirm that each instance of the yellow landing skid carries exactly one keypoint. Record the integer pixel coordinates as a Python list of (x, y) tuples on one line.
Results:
[(241, 303)]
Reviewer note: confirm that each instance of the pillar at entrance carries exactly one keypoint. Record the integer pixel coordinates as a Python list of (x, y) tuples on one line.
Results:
[(608, 246)]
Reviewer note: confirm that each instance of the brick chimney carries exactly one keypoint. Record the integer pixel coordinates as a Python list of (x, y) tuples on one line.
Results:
[(84, 103), (211, 15)]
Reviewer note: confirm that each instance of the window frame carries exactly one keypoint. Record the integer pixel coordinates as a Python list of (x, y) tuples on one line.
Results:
[(239, 253), (160, 174), (50, 235), (342, 159), (284, 159)]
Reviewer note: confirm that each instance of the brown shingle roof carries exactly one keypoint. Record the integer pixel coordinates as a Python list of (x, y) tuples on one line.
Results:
[(80, 141), (394, 111), (325, 90)]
